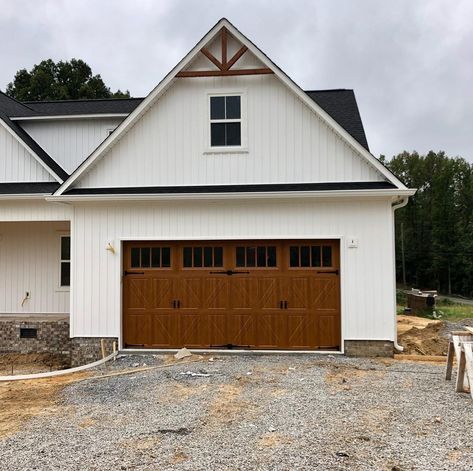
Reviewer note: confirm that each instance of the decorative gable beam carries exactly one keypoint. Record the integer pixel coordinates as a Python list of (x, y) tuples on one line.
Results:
[(224, 66)]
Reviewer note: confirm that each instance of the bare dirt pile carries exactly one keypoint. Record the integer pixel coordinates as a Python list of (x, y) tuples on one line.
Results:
[(420, 336)]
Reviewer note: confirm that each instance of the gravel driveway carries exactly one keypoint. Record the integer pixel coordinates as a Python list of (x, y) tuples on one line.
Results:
[(289, 412)]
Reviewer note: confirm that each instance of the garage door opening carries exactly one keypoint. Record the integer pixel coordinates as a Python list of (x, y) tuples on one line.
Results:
[(263, 294)]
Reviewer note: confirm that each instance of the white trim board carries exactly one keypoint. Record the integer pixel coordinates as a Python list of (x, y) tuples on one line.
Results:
[(156, 93)]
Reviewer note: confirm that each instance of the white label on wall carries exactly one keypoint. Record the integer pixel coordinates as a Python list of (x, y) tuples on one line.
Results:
[(352, 242)]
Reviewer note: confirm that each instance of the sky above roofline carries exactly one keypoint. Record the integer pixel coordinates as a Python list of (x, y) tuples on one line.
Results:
[(410, 63)]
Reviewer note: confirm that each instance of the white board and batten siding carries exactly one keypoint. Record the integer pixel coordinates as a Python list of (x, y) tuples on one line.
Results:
[(30, 262), (17, 164), (33, 210), (286, 141), (70, 141), (366, 272)]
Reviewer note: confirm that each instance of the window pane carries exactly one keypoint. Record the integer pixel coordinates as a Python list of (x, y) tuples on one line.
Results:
[(208, 257), (187, 256), (233, 131), (326, 256), (217, 131), (250, 256), (145, 257), (271, 256), (218, 257), (316, 255), (155, 257), (166, 257), (305, 256), (65, 248), (261, 256), (233, 107), (197, 256), (240, 256), (65, 273), (217, 107), (135, 257), (294, 256)]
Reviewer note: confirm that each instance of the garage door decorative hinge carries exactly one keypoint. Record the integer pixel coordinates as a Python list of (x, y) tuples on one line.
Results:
[(229, 272)]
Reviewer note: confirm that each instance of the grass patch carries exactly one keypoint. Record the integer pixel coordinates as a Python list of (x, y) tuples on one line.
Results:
[(445, 310)]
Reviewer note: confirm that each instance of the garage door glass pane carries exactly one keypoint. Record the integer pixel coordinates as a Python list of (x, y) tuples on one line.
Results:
[(187, 255), (218, 257), (208, 258), (305, 256), (155, 257), (271, 256), (145, 257), (327, 256), (240, 256), (166, 257), (135, 257), (250, 256), (260, 257), (197, 257), (316, 255), (294, 256)]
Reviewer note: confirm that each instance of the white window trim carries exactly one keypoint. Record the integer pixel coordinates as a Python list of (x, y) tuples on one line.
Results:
[(241, 149), (59, 263)]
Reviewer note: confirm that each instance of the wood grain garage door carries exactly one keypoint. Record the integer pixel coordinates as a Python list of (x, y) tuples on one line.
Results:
[(232, 294)]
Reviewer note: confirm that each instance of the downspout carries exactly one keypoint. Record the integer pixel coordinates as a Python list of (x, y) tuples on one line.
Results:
[(396, 205)]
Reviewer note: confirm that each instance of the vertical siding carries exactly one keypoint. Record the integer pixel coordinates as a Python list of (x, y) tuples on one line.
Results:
[(69, 142), (17, 164), (287, 141), (367, 271), (29, 261)]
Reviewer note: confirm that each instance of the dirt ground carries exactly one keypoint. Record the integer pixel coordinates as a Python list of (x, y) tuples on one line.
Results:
[(20, 363), (421, 336)]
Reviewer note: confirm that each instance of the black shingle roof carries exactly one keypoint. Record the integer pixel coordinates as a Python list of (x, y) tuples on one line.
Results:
[(24, 188), (83, 107), (342, 107)]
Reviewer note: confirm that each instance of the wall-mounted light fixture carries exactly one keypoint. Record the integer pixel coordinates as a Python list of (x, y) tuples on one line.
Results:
[(110, 248)]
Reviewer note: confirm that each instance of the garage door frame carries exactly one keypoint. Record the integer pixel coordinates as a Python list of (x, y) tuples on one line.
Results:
[(340, 238)]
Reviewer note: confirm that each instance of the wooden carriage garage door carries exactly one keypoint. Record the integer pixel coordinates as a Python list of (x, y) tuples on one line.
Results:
[(232, 294)]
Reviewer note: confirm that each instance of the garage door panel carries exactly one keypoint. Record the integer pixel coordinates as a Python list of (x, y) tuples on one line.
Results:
[(192, 330), (327, 330), (298, 292), (190, 293), (269, 293), (137, 294), (137, 329), (241, 330), (217, 329), (270, 330), (216, 294), (243, 293), (162, 293), (164, 330)]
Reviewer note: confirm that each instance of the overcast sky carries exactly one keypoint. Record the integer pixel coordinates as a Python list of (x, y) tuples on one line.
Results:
[(410, 62)]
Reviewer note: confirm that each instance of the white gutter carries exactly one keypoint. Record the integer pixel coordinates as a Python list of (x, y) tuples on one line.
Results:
[(72, 116), (234, 195), (396, 205)]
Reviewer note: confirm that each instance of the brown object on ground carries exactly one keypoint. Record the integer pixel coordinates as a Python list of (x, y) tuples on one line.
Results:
[(261, 294), (22, 400), (420, 358), (420, 336)]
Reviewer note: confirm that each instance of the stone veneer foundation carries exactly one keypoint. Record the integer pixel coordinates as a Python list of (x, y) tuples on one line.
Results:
[(52, 336), (369, 348)]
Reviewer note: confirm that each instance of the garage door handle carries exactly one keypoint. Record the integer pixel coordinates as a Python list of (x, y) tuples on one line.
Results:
[(285, 304), (281, 304)]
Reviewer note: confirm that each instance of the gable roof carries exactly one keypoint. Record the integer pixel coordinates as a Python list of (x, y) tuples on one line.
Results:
[(156, 93), (9, 106)]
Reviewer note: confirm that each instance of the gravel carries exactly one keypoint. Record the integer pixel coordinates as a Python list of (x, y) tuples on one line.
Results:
[(253, 412)]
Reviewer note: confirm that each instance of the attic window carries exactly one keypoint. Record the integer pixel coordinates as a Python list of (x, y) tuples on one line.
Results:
[(225, 121)]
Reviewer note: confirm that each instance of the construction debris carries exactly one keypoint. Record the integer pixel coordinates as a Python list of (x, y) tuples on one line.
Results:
[(461, 347), (190, 373), (182, 353)]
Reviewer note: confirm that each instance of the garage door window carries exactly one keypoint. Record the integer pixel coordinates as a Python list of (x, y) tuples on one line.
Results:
[(203, 257), (256, 256), (305, 256), (150, 257)]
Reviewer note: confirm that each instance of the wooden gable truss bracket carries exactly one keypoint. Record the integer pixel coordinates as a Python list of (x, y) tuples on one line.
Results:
[(224, 66)]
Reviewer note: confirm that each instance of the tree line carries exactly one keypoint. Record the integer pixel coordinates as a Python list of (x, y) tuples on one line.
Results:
[(434, 232)]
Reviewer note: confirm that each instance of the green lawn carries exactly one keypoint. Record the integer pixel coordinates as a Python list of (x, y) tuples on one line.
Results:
[(445, 309)]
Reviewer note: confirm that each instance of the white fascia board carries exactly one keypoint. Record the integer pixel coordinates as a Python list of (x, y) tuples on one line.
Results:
[(24, 196), (70, 117), (237, 196), (170, 77), (30, 151)]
